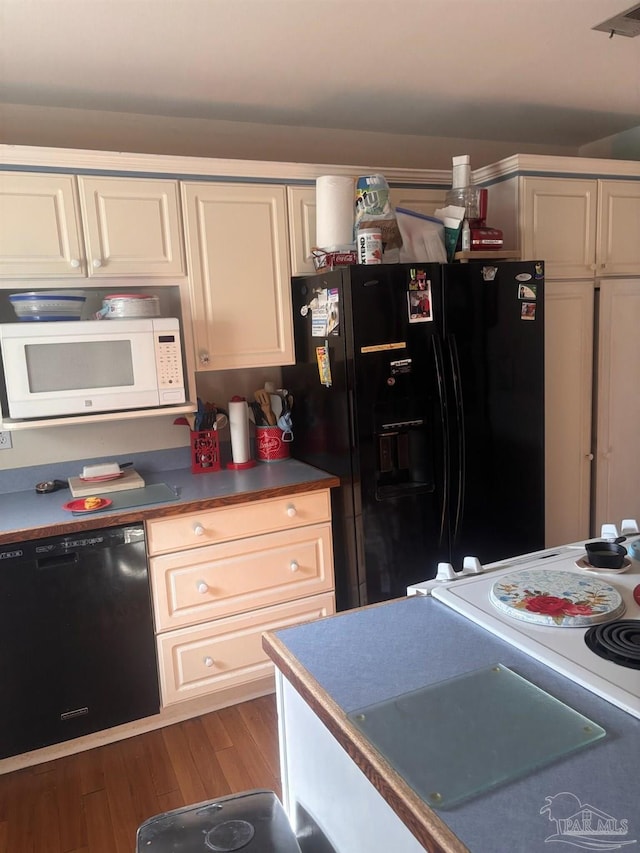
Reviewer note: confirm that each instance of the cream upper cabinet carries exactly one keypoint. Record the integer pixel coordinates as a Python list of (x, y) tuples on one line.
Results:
[(238, 252), (40, 232), (558, 225), (132, 226), (302, 218), (617, 458), (302, 228), (618, 228), (569, 313), (425, 201)]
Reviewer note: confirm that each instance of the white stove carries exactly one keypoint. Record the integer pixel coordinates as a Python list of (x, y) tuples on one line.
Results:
[(555, 644)]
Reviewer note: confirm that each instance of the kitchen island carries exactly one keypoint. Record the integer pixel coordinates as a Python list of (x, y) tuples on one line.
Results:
[(333, 777)]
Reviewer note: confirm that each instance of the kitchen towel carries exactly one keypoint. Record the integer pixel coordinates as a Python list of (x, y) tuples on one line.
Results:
[(335, 211), (239, 428)]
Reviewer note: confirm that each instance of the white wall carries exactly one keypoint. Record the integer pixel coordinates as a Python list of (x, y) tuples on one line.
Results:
[(622, 146), (111, 131)]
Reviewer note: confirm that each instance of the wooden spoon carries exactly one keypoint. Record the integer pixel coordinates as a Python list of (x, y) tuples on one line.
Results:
[(264, 399)]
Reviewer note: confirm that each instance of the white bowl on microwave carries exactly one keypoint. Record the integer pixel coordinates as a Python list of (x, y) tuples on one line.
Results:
[(129, 305), (48, 304)]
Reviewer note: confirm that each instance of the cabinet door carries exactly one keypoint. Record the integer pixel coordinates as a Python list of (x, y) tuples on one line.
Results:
[(239, 275), (619, 228), (420, 200), (559, 225), (302, 228), (568, 380), (617, 457), (132, 226), (39, 226)]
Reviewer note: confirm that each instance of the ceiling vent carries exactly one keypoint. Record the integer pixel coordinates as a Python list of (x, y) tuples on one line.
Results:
[(625, 24)]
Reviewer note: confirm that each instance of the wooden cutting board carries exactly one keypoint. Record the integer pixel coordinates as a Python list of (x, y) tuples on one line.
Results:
[(130, 479)]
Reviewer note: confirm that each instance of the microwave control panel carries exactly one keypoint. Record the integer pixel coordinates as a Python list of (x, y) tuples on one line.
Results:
[(169, 361)]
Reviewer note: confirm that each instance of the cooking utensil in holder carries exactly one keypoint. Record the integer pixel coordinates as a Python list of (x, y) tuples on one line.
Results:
[(205, 451)]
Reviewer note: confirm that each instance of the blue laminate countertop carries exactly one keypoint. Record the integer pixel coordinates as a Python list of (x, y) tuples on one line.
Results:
[(365, 656), (26, 514)]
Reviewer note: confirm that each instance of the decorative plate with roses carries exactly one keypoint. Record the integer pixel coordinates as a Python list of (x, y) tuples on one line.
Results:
[(549, 597)]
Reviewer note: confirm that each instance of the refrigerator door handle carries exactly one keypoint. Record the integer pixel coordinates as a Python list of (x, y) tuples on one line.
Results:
[(460, 434), (439, 364)]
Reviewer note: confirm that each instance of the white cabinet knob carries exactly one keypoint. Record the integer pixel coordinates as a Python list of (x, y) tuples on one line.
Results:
[(198, 529), (75, 263), (203, 587), (291, 511), (294, 565), (97, 262), (208, 661), (589, 456), (593, 267), (204, 358)]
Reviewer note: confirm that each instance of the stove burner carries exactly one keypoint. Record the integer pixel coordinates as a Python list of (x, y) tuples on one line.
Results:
[(618, 642)]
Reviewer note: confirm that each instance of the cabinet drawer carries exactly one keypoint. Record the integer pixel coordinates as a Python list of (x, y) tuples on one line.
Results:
[(228, 652), (234, 522), (219, 580)]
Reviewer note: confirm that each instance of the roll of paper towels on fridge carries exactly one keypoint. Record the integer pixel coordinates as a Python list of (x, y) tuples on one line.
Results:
[(239, 429), (335, 211)]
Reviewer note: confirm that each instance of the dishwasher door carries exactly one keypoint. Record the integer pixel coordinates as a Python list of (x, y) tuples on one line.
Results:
[(77, 645)]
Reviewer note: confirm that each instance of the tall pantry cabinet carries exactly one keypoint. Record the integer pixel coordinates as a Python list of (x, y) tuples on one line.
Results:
[(586, 228)]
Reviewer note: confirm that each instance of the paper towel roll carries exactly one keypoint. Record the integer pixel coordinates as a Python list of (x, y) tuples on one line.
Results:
[(335, 211), (239, 428)]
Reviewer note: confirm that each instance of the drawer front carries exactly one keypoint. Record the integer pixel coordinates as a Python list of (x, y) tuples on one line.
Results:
[(228, 652), (223, 524), (205, 583)]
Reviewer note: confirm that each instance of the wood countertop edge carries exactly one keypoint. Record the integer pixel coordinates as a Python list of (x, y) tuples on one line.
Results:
[(426, 826), (167, 510)]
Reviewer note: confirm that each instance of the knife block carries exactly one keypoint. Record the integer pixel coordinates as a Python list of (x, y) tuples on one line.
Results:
[(205, 451)]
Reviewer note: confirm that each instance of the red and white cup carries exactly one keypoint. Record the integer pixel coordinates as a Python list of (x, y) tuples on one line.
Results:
[(272, 444)]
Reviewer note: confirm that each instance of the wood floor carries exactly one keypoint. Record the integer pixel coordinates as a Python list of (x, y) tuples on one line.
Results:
[(93, 802)]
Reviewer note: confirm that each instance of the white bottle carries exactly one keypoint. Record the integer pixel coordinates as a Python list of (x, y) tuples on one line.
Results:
[(461, 172), (465, 241)]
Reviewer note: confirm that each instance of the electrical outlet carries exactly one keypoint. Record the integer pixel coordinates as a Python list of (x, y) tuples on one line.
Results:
[(5, 441)]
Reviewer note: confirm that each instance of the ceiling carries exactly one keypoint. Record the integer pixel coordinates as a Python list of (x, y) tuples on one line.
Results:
[(532, 72)]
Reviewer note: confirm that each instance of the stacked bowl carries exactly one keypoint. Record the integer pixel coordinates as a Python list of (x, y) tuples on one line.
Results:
[(48, 304)]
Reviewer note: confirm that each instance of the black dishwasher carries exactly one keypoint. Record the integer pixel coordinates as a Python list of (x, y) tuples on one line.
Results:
[(77, 647)]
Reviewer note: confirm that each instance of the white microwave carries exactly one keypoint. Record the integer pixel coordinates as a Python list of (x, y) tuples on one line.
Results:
[(85, 366)]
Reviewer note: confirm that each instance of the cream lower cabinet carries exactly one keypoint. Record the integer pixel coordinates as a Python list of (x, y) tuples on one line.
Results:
[(569, 313), (221, 577), (239, 271), (617, 475)]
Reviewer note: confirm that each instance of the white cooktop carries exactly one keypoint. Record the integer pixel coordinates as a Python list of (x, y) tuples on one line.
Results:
[(562, 648)]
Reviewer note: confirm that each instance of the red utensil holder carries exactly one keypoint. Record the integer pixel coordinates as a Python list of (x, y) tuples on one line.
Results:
[(205, 451)]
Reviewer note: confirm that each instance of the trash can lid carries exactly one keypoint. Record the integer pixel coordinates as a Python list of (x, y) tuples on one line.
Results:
[(252, 821)]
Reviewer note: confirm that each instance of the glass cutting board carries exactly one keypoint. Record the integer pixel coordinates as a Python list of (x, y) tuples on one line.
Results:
[(462, 736)]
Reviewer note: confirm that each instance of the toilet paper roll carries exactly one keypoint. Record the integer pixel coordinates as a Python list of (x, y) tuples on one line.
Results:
[(239, 428), (335, 211)]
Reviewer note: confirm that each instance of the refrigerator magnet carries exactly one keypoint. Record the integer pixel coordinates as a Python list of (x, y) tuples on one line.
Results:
[(528, 311), (489, 273), (419, 305), (527, 291), (324, 365)]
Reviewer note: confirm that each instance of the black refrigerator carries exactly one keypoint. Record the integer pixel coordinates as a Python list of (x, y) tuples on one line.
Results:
[(422, 388)]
